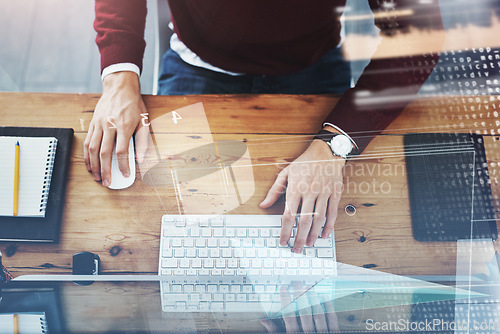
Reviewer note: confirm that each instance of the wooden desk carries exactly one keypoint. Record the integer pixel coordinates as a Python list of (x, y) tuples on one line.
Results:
[(123, 227)]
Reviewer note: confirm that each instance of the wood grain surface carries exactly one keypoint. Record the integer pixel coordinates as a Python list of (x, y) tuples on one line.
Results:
[(123, 227)]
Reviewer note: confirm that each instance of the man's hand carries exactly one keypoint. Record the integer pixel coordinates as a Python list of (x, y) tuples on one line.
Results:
[(318, 317), (314, 181), (116, 117)]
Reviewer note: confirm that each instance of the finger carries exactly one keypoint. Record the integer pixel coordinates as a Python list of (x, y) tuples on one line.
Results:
[(303, 306), (141, 142), (290, 319), (331, 215), (94, 149), (269, 325), (107, 146), (288, 220), (277, 189), (122, 144), (318, 220), (331, 317), (304, 224), (86, 143), (318, 312)]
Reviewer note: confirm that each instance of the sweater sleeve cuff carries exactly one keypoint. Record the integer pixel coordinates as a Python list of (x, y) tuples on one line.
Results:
[(120, 68)]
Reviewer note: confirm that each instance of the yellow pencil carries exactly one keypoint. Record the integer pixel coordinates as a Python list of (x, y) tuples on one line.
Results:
[(16, 324), (16, 180)]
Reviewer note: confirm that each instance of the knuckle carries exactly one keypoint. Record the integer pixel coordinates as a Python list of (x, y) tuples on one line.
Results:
[(304, 221), (121, 151), (105, 153), (93, 148)]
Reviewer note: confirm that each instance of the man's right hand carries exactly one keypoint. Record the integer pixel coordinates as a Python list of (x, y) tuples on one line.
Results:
[(116, 117)]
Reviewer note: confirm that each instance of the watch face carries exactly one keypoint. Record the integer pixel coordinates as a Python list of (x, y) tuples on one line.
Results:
[(341, 145)]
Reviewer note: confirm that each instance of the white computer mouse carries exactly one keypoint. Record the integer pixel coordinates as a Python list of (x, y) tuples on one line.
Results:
[(118, 181)]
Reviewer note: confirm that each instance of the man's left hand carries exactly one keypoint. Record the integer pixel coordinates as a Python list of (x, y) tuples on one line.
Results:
[(314, 181)]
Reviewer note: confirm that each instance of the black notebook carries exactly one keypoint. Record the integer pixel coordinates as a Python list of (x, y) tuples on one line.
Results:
[(45, 226), (449, 187)]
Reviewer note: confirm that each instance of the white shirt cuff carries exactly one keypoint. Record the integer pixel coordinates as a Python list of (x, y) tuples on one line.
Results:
[(342, 132), (120, 68)]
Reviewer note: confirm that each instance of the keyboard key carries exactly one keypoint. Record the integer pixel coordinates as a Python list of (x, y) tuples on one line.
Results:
[(192, 221), (235, 243), (253, 232), (167, 252), (200, 242), (268, 263), (325, 252), (191, 272), (206, 297), (324, 243), (244, 263), (208, 263), (310, 252), (171, 298), (217, 307), (217, 221), (184, 263), (219, 297), (200, 288), (317, 263), (246, 307), (241, 297), (259, 288), (230, 297), (212, 288), (216, 272), (275, 232), (262, 253), (232, 263), (169, 263), (304, 272), (274, 253), (241, 272), (178, 272), (214, 252), (256, 263), (266, 272), (223, 243), (204, 223), (202, 252), (230, 232), (176, 288), (191, 252), (195, 232), (247, 288), (291, 272), (212, 243), (226, 252), (166, 272), (203, 272), (228, 272), (196, 263), (204, 306), (241, 232), (180, 223), (224, 288), (253, 272), (271, 243), (206, 232), (218, 232), (265, 233), (259, 243), (188, 288), (176, 242), (174, 232), (179, 252), (235, 288)]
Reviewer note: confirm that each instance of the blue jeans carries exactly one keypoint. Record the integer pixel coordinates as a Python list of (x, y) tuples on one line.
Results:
[(330, 75)]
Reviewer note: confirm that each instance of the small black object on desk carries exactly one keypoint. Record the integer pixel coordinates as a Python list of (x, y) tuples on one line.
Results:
[(86, 263)]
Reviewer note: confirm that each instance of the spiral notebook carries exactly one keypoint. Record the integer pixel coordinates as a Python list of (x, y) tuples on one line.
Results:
[(23, 323), (37, 156)]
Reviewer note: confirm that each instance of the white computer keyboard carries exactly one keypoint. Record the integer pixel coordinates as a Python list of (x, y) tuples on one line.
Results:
[(234, 263)]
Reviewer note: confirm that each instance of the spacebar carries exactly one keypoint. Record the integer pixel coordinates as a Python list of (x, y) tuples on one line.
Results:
[(253, 220)]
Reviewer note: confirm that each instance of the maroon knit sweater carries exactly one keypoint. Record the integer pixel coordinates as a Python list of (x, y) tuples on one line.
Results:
[(275, 37)]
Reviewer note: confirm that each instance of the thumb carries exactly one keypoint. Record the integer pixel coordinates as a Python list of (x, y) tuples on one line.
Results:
[(278, 188)]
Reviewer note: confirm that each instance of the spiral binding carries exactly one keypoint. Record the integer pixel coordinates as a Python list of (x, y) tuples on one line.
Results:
[(49, 167), (43, 325)]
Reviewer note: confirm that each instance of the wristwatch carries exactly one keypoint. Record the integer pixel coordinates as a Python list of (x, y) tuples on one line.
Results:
[(340, 144)]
